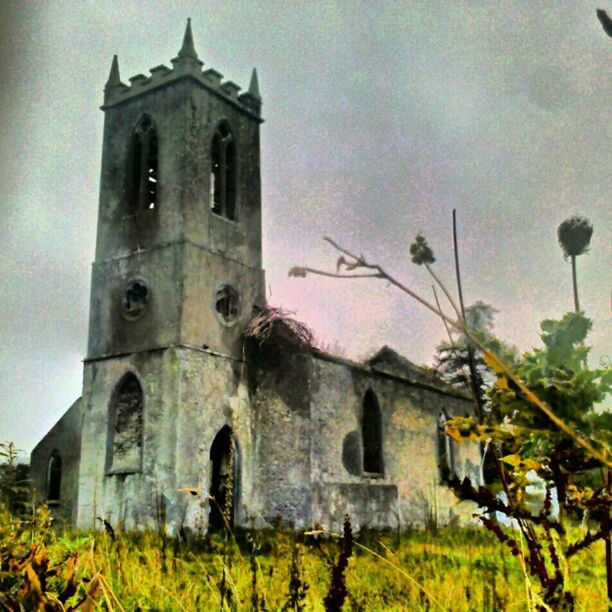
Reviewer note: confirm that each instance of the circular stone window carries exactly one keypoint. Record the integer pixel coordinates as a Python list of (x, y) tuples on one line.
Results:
[(135, 299), (227, 304)]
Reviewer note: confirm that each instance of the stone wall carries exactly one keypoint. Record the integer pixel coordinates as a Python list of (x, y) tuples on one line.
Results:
[(279, 376), (296, 420), (307, 413), (63, 438), (136, 498), (409, 413), (190, 395)]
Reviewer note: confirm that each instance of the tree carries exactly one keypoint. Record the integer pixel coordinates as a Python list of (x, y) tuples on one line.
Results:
[(574, 236), (452, 357)]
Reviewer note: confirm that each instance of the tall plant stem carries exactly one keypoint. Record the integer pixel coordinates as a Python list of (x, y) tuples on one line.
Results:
[(575, 281), (470, 348), (450, 338)]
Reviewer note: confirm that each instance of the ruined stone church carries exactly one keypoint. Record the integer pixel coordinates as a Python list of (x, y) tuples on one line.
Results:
[(199, 405)]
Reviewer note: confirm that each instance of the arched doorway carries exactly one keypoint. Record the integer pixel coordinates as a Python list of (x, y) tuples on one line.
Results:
[(223, 485)]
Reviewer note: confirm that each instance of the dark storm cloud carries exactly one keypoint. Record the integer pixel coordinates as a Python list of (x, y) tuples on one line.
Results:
[(381, 118)]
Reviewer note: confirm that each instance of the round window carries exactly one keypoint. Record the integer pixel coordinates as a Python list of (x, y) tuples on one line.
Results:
[(135, 299), (227, 304)]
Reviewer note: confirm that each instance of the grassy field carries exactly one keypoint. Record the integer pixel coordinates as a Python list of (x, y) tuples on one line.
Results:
[(450, 570)]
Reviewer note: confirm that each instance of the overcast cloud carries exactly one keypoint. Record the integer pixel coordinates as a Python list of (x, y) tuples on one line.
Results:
[(380, 119)]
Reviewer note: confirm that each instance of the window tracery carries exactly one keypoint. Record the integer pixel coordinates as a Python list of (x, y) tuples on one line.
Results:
[(223, 172), (144, 179)]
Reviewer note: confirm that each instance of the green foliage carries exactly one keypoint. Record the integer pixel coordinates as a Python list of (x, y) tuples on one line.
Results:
[(559, 375), (14, 483), (564, 340), (416, 571), (536, 453), (41, 571)]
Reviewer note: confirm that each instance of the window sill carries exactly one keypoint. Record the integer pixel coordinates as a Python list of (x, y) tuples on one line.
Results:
[(373, 475), (53, 503), (221, 216)]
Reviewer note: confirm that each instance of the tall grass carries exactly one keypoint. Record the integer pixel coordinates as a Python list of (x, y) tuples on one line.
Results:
[(274, 570)]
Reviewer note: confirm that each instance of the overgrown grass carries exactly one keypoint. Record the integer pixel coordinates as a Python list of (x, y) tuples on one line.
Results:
[(450, 570)]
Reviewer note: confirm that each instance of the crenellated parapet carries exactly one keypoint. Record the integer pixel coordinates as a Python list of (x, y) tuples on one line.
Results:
[(186, 65)]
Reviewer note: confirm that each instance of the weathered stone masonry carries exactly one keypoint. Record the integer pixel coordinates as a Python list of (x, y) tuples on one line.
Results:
[(185, 418)]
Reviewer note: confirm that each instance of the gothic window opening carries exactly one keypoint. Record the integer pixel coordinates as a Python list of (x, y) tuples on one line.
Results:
[(223, 173), (371, 435), (126, 426), (215, 176), (227, 303), (223, 485), (143, 189), (54, 477), (445, 452)]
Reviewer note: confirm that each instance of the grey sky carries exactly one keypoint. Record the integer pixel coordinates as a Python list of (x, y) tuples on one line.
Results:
[(380, 119)]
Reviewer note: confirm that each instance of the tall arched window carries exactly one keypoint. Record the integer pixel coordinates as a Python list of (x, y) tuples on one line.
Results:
[(143, 163), (223, 172), (371, 435), (446, 459), (54, 477), (126, 425)]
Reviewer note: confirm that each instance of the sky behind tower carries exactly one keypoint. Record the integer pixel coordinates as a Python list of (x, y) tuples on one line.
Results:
[(381, 118)]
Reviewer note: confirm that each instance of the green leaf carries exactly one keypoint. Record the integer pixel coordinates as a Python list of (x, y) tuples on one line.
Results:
[(562, 337)]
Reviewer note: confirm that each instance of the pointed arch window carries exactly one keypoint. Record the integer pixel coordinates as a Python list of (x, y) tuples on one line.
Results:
[(126, 427), (223, 172), (446, 459), (54, 477), (143, 167), (371, 435)]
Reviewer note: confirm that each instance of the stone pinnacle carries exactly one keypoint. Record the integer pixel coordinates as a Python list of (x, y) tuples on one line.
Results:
[(188, 49), (254, 85), (113, 78)]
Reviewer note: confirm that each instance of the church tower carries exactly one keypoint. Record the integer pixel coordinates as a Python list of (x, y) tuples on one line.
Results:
[(178, 252), (176, 277)]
